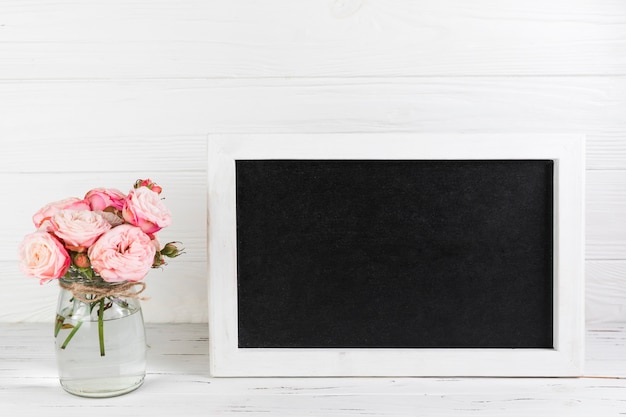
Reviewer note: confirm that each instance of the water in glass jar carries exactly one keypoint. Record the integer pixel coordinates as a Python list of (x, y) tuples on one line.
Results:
[(83, 371)]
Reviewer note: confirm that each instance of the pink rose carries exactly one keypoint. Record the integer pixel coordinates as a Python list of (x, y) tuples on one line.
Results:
[(145, 209), (124, 253), (102, 198), (41, 255), (43, 216), (79, 229)]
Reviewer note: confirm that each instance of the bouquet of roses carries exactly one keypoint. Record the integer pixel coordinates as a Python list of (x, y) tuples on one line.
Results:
[(101, 245)]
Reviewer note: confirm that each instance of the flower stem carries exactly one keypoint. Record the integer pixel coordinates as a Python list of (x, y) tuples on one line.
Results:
[(101, 326), (58, 324), (72, 333)]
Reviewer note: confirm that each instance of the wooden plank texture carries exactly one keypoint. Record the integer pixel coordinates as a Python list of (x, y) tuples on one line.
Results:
[(276, 38), (178, 382), (136, 155), (606, 214), (62, 110), (605, 291)]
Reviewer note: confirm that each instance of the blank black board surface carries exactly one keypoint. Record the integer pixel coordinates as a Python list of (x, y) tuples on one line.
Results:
[(395, 253)]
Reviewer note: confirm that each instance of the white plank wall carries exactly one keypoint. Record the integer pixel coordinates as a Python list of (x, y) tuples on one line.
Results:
[(102, 92)]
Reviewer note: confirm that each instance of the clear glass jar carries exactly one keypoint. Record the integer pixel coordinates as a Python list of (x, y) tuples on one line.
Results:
[(100, 344)]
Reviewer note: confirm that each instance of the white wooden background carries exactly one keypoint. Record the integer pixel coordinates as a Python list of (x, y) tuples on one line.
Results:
[(102, 92)]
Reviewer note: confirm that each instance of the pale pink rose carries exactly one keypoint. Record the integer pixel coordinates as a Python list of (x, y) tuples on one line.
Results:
[(41, 255), (124, 253), (79, 229), (43, 216), (102, 198), (145, 209)]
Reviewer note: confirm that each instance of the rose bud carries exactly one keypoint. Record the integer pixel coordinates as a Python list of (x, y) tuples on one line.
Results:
[(81, 260), (171, 250), (148, 184), (159, 260)]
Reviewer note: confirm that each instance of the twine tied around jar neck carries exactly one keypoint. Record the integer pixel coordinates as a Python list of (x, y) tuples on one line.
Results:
[(126, 289)]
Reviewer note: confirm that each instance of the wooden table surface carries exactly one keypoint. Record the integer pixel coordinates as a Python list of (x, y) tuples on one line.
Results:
[(178, 384)]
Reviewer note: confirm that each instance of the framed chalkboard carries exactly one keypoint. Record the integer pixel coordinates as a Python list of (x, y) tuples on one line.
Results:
[(395, 255)]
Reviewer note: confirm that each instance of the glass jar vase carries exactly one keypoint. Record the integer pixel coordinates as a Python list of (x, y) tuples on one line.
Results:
[(100, 338)]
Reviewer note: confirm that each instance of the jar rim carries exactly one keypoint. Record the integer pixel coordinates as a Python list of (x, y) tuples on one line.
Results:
[(97, 281)]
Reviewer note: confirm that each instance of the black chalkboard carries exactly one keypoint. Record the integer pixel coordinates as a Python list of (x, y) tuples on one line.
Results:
[(395, 254)]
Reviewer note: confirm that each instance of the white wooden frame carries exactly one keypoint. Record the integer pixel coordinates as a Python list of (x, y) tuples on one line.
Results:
[(566, 359)]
